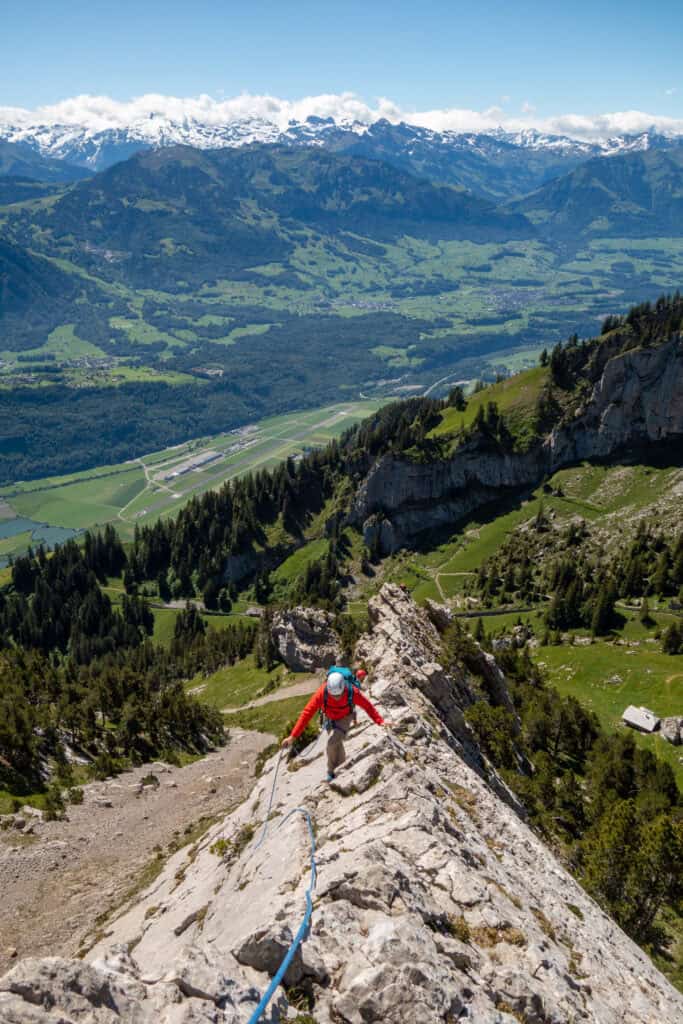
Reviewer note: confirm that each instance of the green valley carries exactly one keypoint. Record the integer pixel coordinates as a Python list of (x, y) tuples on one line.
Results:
[(190, 292), (138, 492)]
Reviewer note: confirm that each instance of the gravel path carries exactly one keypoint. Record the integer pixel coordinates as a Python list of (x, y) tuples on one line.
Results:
[(59, 877)]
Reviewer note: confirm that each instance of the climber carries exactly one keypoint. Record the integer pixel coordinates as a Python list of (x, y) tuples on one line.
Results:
[(361, 676), (355, 678), (336, 698)]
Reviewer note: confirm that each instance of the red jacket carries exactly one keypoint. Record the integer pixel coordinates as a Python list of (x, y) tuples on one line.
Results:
[(337, 707)]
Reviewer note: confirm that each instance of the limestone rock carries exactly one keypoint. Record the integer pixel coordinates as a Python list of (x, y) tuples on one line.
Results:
[(440, 614), (672, 729), (637, 398), (434, 901), (305, 638)]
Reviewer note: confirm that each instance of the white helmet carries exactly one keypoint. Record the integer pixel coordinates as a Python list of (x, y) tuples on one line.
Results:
[(335, 684)]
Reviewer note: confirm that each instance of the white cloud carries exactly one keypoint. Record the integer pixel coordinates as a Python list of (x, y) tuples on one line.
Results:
[(528, 108), (101, 112)]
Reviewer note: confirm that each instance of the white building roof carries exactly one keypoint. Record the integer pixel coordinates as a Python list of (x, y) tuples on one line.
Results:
[(640, 718)]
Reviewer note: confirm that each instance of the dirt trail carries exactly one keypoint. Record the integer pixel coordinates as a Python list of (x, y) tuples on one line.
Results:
[(303, 687), (57, 880)]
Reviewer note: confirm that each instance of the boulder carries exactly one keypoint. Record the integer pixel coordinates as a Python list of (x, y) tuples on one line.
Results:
[(672, 729), (305, 638)]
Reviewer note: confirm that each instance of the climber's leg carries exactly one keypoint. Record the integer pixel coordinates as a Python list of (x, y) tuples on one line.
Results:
[(336, 755)]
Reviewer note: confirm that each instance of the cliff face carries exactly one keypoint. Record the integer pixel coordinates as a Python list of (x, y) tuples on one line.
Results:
[(434, 902), (637, 400)]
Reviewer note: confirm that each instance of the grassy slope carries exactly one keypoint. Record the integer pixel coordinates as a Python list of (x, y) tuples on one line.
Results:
[(274, 718), (237, 684), (516, 397), (647, 676)]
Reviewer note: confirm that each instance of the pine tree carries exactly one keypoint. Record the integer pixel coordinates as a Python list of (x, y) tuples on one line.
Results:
[(457, 399), (266, 653), (644, 614), (608, 853), (662, 577), (672, 641), (602, 618)]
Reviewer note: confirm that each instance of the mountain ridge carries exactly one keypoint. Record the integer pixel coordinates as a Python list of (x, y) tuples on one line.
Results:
[(483, 161), (635, 195), (434, 902)]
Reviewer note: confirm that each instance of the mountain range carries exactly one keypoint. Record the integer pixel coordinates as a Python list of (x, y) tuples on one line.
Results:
[(238, 278), (497, 164)]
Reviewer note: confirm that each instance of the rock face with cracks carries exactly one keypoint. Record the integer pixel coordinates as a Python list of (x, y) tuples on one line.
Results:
[(637, 400), (305, 638), (435, 902)]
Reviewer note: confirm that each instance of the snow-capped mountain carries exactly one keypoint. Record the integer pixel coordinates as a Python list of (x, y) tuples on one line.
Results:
[(499, 164), (97, 148)]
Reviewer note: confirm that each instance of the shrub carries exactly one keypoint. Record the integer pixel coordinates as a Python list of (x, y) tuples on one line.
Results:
[(54, 803)]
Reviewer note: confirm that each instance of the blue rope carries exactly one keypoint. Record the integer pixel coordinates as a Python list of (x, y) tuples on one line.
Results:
[(305, 924), (303, 927)]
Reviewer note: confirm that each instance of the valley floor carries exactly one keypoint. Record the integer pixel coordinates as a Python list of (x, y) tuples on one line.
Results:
[(59, 879)]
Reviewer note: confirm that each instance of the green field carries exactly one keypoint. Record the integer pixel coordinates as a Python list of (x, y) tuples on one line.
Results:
[(141, 490), (239, 683), (525, 292), (607, 678)]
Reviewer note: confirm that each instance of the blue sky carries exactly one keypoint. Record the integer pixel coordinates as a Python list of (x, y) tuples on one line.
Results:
[(554, 56)]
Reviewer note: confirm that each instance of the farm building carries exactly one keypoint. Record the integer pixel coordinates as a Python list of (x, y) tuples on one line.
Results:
[(640, 718)]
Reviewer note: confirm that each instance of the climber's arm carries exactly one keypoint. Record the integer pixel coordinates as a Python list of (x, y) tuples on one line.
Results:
[(314, 704), (362, 701)]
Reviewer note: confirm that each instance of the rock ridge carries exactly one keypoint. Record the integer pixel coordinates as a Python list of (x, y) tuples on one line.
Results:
[(435, 902)]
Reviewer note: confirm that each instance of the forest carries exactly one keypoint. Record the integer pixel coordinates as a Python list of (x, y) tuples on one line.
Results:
[(613, 808), (77, 671)]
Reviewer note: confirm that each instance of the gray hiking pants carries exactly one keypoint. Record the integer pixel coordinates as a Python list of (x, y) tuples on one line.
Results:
[(336, 755)]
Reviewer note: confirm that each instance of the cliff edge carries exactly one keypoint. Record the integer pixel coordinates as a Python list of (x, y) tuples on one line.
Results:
[(636, 400)]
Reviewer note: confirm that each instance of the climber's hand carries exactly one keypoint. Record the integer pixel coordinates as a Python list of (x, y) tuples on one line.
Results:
[(287, 742)]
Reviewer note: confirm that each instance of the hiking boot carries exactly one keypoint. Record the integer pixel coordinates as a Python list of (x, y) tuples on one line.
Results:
[(330, 776)]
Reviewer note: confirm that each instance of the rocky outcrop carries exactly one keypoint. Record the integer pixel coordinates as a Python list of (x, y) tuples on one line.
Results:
[(305, 638), (671, 729), (400, 499), (637, 400), (434, 903)]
